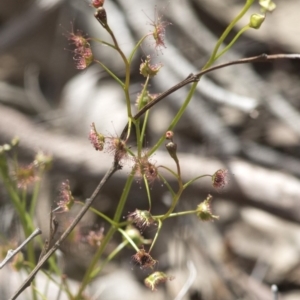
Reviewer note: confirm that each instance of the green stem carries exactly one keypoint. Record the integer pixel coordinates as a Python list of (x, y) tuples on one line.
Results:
[(135, 48), (127, 70), (182, 213), (113, 75), (104, 43), (167, 184), (176, 118), (129, 239), (168, 169), (100, 214), (194, 179), (212, 58), (87, 277), (156, 235), (148, 191), (109, 258), (245, 28)]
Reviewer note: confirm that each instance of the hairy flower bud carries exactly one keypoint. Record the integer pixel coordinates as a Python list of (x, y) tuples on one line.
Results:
[(220, 179)]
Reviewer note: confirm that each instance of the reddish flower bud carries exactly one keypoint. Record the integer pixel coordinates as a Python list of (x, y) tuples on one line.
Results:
[(97, 139), (169, 135), (97, 3), (220, 179)]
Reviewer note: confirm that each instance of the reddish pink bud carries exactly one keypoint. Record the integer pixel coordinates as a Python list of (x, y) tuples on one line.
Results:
[(97, 139), (97, 3), (220, 179)]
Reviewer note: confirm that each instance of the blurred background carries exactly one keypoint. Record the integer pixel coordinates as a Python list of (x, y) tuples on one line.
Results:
[(242, 118)]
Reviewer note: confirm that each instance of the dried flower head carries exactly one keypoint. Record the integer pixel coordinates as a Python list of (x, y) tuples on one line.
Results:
[(144, 259), (97, 139), (143, 167), (156, 278), (204, 210), (25, 176), (66, 198), (146, 69), (116, 146), (141, 218), (220, 179)]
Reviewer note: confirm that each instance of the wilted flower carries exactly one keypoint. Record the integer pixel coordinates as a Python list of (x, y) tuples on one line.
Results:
[(143, 167), (156, 278), (144, 259)]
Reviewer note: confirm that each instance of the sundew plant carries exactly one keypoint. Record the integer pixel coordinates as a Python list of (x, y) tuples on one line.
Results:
[(126, 148)]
